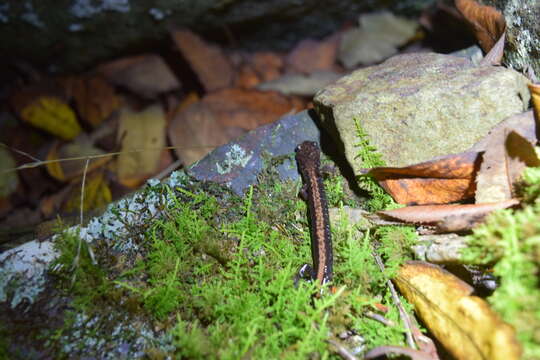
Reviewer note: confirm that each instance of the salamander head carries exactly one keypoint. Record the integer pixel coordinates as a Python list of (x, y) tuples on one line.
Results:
[(308, 153)]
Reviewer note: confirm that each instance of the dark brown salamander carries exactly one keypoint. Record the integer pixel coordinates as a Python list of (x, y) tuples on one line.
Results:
[(308, 158)]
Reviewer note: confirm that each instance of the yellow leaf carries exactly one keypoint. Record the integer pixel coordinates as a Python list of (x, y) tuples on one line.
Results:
[(143, 137), (96, 194), (535, 95), (464, 324), (52, 115)]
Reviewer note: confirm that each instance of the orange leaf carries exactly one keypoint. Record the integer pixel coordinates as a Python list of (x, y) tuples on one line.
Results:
[(535, 95), (488, 23), (448, 179)]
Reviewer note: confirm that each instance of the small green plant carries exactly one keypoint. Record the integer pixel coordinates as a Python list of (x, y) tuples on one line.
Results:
[(369, 157)]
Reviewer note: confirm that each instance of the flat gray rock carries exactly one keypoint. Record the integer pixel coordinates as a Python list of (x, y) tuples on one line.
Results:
[(415, 107)]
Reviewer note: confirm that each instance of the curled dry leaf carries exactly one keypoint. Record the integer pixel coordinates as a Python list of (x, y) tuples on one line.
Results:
[(439, 181), (464, 324), (431, 214), (488, 24)]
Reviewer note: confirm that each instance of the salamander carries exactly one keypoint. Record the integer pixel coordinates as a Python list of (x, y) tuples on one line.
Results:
[(308, 159)]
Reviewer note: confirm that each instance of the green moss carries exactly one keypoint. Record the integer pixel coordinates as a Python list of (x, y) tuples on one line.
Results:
[(510, 242), (216, 274)]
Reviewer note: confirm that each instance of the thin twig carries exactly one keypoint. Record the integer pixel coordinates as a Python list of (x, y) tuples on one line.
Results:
[(402, 313)]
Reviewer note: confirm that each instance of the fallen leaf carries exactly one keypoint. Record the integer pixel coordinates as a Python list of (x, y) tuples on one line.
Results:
[(212, 67), (439, 181), (311, 55), (488, 24), (535, 95), (95, 99), (194, 132), (464, 324), (46, 109), (145, 75), (300, 84), (379, 36), (51, 204), (520, 153), (142, 138), (97, 194), (495, 55), (492, 181), (248, 109), (82, 147), (431, 214)]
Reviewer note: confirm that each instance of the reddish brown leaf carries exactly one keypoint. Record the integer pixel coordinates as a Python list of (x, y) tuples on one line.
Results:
[(440, 181), (431, 214), (249, 109), (95, 98), (487, 23), (208, 61)]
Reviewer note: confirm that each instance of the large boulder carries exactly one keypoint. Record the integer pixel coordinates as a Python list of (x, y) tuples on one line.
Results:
[(415, 107)]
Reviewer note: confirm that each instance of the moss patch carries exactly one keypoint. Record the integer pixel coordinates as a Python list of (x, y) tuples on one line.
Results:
[(509, 241)]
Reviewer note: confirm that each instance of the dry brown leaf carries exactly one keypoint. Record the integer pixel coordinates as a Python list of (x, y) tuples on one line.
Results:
[(94, 97), (431, 214), (313, 55), (146, 75), (440, 181), (142, 137), (493, 182), (194, 132), (212, 67), (247, 77), (464, 324), (488, 23)]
